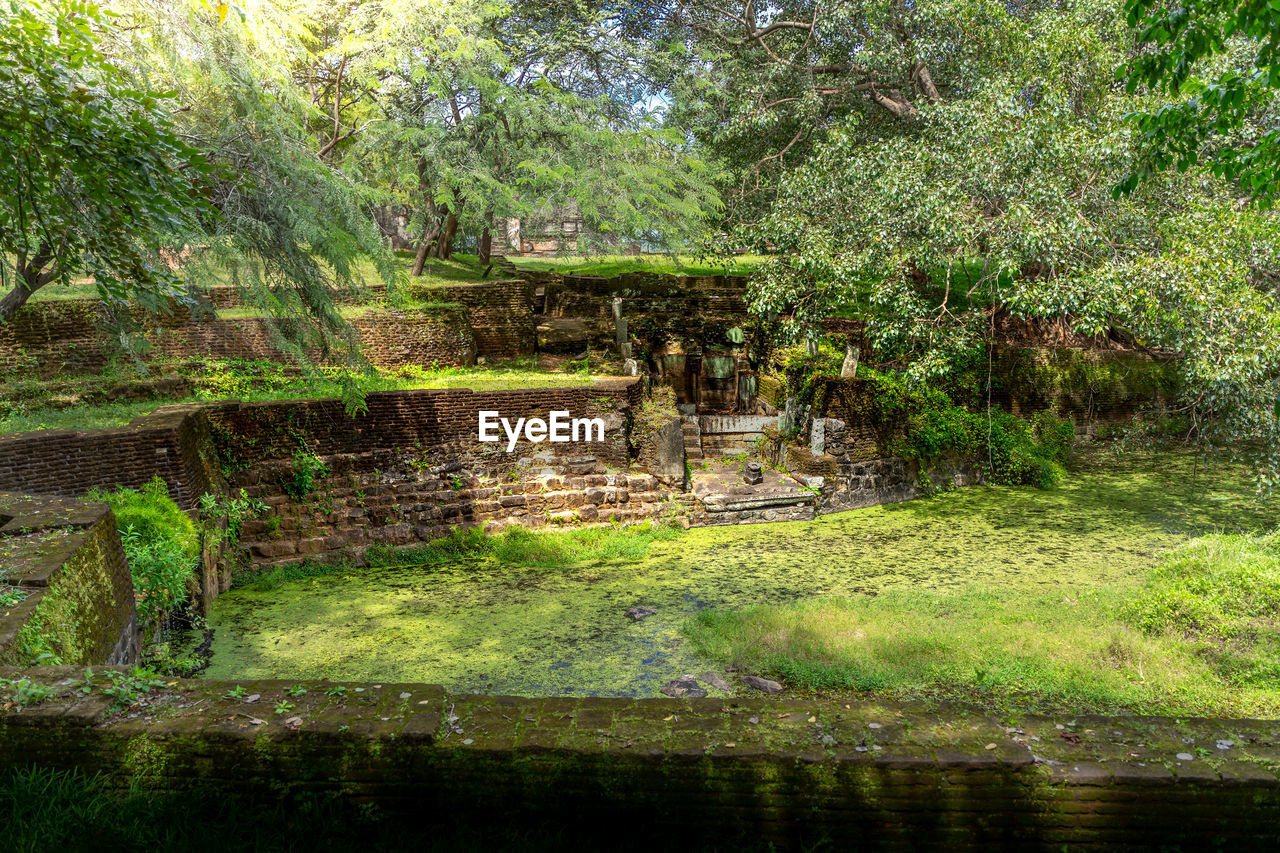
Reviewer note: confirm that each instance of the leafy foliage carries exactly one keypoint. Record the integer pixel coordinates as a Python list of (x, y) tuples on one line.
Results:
[(1009, 449), (481, 111), (160, 543), (1220, 62), (98, 180)]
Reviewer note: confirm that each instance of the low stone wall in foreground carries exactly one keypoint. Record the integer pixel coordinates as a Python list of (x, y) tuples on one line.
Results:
[(681, 772)]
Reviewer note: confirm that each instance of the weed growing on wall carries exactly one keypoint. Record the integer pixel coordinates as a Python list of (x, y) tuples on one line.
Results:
[(160, 543), (222, 516), (307, 470)]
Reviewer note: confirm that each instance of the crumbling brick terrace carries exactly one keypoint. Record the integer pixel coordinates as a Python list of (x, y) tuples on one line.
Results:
[(64, 561)]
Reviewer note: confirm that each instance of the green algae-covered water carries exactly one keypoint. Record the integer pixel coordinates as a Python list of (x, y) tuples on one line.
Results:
[(479, 625)]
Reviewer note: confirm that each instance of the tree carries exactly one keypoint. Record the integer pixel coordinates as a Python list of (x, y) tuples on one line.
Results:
[(486, 111), (98, 181), (1219, 60), (291, 229), (762, 84), (994, 197)]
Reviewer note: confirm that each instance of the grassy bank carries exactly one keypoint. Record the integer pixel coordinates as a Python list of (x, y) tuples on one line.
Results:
[(265, 380), (1198, 634), (613, 265)]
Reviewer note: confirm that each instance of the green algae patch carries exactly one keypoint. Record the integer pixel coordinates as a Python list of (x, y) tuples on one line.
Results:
[(477, 622)]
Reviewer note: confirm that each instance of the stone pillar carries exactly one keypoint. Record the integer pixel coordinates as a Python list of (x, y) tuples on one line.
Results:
[(849, 369)]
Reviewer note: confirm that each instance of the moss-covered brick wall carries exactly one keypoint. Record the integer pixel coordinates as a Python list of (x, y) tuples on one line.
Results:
[(64, 558), (1087, 386), (171, 442), (678, 773)]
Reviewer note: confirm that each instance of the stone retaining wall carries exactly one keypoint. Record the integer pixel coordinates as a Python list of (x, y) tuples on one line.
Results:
[(678, 772), (412, 468), (65, 555), (168, 443)]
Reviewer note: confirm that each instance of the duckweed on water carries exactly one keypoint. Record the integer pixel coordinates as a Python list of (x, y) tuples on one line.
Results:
[(510, 621)]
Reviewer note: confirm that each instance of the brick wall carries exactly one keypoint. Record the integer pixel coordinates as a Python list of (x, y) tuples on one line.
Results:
[(501, 315), (392, 498), (635, 774), (248, 433), (412, 468), (574, 295), (46, 338), (166, 442), (79, 605)]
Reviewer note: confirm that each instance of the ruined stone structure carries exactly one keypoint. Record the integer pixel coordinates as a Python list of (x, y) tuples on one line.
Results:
[(64, 561)]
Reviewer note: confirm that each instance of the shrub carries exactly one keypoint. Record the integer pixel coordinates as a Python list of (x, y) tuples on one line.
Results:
[(1010, 450), (307, 469), (159, 541)]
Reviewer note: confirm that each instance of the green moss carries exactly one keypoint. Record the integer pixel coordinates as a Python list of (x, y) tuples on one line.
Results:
[(74, 620), (476, 623), (145, 760)]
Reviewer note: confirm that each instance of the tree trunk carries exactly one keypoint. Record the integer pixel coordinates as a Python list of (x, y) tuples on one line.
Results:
[(444, 249), (486, 246), (424, 248), (30, 279)]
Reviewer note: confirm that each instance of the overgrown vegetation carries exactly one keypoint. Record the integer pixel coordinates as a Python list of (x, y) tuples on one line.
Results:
[(1010, 450), (942, 422), (1196, 635), (160, 543)]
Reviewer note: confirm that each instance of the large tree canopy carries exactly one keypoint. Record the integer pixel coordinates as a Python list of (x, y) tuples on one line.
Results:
[(97, 180), (931, 165)]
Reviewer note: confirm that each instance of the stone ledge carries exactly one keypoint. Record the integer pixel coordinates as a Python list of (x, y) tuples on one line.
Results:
[(717, 768)]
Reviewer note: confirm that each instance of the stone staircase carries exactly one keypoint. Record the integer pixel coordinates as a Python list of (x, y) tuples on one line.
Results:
[(692, 429)]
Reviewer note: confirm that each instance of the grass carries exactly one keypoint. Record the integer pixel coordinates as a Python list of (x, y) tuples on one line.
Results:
[(256, 381), (436, 272), (612, 265), (70, 811), (1198, 635), (100, 416)]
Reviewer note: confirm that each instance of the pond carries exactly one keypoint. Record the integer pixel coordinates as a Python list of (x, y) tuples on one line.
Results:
[(480, 625)]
